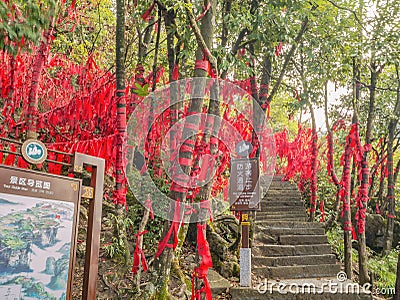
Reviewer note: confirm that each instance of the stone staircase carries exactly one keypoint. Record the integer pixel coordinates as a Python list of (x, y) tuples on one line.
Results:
[(290, 254)]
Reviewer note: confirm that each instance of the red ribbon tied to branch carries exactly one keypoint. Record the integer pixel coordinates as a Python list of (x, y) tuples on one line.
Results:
[(174, 229), (148, 205), (146, 14), (206, 263), (138, 256)]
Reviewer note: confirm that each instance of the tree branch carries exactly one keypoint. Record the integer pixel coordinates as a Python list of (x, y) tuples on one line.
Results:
[(199, 38), (288, 57)]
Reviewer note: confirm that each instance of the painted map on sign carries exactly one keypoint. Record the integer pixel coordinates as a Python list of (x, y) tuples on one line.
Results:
[(35, 247)]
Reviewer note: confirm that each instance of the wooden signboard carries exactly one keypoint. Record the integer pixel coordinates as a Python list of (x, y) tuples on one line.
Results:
[(244, 187), (38, 232)]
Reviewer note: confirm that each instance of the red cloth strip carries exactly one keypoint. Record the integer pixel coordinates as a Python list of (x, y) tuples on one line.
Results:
[(189, 209), (189, 142), (173, 230), (183, 161), (146, 14), (138, 256), (205, 204), (149, 206), (214, 140), (178, 188), (175, 72), (347, 226), (205, 10), (186, 148), (192, 126), (202, 65), (201, 272)]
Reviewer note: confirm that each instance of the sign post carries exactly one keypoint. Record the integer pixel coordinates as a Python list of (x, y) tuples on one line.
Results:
[(244, 195)]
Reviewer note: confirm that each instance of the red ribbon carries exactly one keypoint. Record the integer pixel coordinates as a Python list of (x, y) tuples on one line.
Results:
[(138, 256), (202, 65), (173, 230), (205, 204), (377, 210), (10, 159), (183, 161), (205, 10), (175, 72), (149, 206), (146, 14), (278, 49), (201, 272), (214, 140)]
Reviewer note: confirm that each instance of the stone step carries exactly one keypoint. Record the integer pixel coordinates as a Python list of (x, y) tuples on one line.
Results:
[(277, 231), (268, 198), (291, 217), (283, 203), (260, 292), (288, 218), (266, 214), (302, 240), (286, 184), (290, 224), (294, 250), (263, 261), (282, 189), (218, 284), (302, 271), (278, 178), (282, 186), (280, 208), (294, 193)]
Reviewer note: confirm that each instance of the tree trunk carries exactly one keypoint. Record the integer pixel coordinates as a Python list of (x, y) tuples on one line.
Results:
[(120, 185), (40, 58), (313, 186), (363, 189), (388, 240), (397, 287), (159, 288), (334, 216), (347, 224)]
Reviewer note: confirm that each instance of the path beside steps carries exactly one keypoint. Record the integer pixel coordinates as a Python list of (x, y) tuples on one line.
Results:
[(291, 258)]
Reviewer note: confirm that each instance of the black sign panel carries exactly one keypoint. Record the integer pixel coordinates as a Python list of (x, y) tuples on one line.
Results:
[(244, 187)]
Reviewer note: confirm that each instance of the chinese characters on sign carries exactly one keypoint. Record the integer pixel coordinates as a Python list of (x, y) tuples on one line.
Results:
[(244, 186), (28, 185)]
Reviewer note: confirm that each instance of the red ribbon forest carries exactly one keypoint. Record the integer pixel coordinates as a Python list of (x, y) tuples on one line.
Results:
[(82, 76)]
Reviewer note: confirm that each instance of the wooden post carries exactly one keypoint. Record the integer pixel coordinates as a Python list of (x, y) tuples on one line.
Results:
[(245, 252), (94, 221)]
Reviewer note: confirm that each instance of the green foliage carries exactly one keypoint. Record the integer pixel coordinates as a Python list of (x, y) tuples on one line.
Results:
[(141, 91), (117, 247), (335, 238), (90, 32), (23, 22), (282, 114), (384, 269)]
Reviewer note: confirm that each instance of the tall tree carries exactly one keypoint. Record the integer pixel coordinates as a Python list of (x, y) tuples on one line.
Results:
[(120, 182), (391, 180)]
